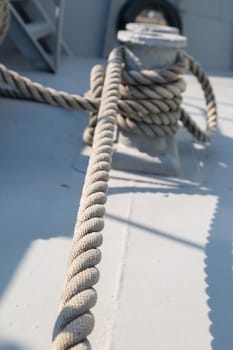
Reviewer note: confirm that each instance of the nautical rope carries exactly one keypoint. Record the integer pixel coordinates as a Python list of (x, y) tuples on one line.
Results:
[(192, 127), (149, 103), (25, 88), (75, 320), (96, 88), (145, 102)]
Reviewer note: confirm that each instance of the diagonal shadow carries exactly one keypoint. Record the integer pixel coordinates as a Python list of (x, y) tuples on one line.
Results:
[(161, 234), (218, 269), (217, 180)]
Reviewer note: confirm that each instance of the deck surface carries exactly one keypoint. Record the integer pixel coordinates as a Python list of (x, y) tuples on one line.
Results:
[(166, 272)]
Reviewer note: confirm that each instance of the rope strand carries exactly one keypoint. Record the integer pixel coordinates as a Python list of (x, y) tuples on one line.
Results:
[(149, 101), (75, 320)]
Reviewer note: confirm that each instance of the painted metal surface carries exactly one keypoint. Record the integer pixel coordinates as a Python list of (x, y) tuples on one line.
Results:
[(166, 273)]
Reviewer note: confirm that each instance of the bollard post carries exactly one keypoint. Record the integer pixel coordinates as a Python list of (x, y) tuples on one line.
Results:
[(151, 47), (151, 28)]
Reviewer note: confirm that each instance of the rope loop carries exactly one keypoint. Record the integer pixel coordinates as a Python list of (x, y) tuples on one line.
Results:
[(150, 101)]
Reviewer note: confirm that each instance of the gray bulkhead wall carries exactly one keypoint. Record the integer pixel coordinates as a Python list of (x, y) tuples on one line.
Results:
[(208, 24), (84, 25)]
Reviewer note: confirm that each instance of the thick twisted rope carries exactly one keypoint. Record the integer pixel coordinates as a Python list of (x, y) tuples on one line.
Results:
[(149, 103), (97, 81), (24, 88), (192, 127), (75, 321), (159, 103)]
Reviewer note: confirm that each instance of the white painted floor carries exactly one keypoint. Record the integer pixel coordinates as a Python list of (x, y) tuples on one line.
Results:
[(166, 273)]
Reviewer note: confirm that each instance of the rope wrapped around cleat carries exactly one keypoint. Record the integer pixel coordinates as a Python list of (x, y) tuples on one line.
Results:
[(149, 100)]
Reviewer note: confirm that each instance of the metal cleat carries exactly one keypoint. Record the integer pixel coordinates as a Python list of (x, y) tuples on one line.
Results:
[(149, 48)]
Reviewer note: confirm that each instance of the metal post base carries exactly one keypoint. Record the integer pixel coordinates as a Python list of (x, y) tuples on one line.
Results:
[(146, 155), (148, 49)]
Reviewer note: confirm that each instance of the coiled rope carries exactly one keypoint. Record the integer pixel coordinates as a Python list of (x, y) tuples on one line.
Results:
[(149, 101), (145, 102)]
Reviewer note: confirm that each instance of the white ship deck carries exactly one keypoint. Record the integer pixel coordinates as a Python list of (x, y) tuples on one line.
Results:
[(166, 272)]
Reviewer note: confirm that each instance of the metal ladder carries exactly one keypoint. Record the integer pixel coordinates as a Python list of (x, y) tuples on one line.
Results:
[(38, 37)]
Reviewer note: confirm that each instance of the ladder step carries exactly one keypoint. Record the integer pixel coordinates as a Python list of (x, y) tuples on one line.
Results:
[(39, 29), (30, 29)]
